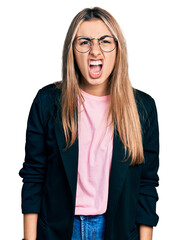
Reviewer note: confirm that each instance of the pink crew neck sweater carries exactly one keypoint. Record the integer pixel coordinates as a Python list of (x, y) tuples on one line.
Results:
[(95, 155)]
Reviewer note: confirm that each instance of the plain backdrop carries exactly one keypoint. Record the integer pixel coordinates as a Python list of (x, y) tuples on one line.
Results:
[(31, 41)]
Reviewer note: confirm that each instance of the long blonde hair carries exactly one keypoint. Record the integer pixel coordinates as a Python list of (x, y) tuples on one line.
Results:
[(123, 109)]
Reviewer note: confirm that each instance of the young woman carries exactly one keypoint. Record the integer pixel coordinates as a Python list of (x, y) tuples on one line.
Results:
[(92, 144)]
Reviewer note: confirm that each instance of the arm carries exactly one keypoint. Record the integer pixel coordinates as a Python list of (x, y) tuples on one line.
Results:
[(34, 168), (145, 232), (30, 226), (146, 212)]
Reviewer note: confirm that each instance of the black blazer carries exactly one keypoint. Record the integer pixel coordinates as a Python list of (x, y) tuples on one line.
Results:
[(50, 174)]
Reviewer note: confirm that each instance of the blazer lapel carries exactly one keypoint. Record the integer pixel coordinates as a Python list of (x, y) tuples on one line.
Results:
[(118, 174), (69, 157)]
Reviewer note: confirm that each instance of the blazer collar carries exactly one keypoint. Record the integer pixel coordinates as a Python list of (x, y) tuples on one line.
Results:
[(70, 162)]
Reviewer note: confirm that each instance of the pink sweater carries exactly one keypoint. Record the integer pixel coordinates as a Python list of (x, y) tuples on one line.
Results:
[(95, 156)]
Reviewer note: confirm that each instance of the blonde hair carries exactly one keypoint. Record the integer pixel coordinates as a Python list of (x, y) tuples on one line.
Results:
[(123, 109)]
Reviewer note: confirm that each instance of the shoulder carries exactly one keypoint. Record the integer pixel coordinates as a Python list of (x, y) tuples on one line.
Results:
[(49, 94), (143, 99), (47, 99), (49, 89), (145, 104)]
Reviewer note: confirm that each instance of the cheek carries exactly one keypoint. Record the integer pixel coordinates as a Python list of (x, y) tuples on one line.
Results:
[(81, 62), (111, 62)]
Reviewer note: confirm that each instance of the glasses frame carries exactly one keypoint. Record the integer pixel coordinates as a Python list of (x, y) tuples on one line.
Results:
[(91, 43)]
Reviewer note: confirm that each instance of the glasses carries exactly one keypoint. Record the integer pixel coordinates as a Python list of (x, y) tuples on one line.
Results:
[(83, 44)]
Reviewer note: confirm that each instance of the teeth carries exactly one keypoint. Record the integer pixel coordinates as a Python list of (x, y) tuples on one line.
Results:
[(96, 62), (96, 73)]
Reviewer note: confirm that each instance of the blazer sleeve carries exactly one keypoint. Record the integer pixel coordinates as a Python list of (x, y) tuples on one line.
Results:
[(33, 171), (146, 213)]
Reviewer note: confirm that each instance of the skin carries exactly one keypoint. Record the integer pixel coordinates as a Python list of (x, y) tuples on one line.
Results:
[(95, 28), (30, 226)]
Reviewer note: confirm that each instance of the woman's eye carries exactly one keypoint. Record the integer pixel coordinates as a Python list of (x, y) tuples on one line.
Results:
[(84, 42), (106, 42)]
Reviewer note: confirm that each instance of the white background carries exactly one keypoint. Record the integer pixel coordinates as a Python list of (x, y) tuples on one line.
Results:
[(32, 36)]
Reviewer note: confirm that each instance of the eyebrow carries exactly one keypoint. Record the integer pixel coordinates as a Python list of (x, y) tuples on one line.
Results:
[(83, 37), (101, 38), (87, 38)]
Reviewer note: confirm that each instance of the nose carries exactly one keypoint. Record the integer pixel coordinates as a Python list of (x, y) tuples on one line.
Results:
[(95, 48)]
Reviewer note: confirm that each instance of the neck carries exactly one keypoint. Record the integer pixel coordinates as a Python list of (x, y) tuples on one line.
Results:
[(95, 90)]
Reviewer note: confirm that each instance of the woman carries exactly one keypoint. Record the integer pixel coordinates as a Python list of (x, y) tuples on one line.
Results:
[(92, 144)]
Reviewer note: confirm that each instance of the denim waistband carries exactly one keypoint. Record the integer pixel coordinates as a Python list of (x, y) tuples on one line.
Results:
[(82, 217)]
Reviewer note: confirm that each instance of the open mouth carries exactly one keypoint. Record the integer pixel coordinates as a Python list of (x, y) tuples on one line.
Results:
[(95, 68)]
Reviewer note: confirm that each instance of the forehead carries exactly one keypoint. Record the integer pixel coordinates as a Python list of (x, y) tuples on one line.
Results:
[(93, 28)]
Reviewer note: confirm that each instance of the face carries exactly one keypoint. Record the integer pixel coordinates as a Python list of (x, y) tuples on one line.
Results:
[(94, 77)]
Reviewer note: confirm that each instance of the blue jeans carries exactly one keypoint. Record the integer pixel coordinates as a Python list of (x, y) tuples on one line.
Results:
[(88, 227)]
